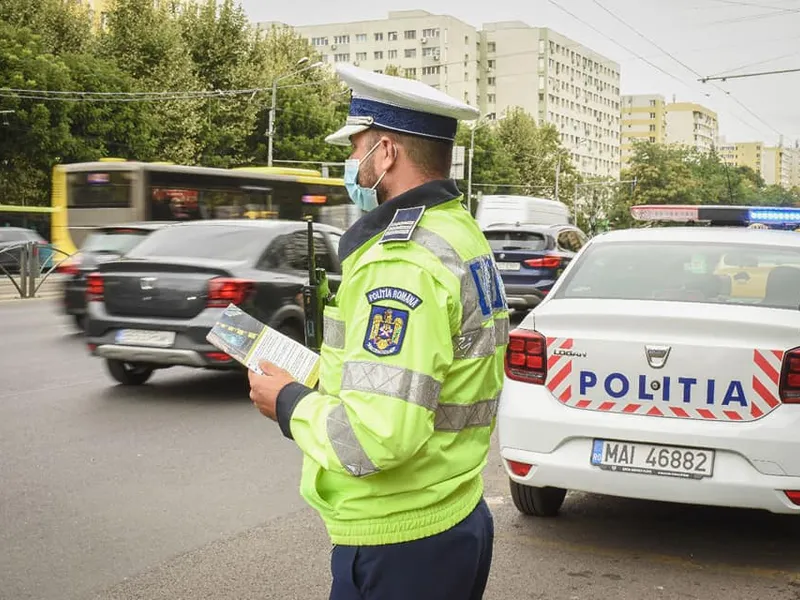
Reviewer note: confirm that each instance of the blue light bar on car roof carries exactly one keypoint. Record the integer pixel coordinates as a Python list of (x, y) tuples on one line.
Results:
[(774, 215)]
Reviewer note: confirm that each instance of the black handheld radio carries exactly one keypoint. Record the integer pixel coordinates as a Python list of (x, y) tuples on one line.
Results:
[(315, 296)]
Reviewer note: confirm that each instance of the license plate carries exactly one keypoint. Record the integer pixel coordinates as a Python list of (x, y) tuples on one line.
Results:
[(507, 266), (652, 459), (143, 337)]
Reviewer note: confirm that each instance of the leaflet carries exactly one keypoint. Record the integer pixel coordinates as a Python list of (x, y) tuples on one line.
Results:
[(249, 341)]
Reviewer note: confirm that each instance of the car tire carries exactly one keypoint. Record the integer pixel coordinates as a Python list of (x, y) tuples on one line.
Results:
[(293, 331), (127, 373), (537, 501)]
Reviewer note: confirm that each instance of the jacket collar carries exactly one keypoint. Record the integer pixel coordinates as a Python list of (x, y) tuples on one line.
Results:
[(428, 194)]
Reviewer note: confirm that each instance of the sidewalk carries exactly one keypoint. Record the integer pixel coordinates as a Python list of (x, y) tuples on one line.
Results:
[(51, 288)]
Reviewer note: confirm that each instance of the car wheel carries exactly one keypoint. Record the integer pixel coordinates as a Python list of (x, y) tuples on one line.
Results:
[(127, 373), (537, 501), (293, 331)]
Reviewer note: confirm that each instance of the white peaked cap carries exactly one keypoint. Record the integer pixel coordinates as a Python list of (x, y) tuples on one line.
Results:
[(398, 104)]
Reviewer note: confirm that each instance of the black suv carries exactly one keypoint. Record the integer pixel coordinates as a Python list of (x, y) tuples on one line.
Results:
[(154, 307), (531, 258)]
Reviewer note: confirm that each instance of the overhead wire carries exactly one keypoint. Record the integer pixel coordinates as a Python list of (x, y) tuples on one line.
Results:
[(684, 65)]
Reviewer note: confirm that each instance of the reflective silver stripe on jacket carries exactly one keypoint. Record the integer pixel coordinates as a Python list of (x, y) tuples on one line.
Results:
[(482, 342), (475, 341), (333, 332), (386, 380), (346, 445), (457, 417)]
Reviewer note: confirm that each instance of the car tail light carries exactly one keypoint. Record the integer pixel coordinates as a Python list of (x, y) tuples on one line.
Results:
[(526, 357), (519, 469), (223, 291), (94, 287), (69, 266), (219, 357), (546, 262), (794, 496), (790, 380)]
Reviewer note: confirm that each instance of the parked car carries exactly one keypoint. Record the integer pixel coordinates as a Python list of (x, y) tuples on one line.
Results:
[(11, 239), (531, 258), (153, 307), (102, 245), (648, 373)]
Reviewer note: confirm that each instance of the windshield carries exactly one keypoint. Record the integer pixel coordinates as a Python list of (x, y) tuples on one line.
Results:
[(113, 241), (224, 242), (515, 240), (710, 273)]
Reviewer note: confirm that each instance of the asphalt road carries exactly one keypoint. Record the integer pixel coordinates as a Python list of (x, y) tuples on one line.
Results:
[(181, 490)]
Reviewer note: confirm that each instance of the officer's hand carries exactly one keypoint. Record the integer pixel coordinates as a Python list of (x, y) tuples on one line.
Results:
[(264, 389)]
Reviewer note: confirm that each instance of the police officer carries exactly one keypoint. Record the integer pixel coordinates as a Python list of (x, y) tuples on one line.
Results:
[(397, 434)]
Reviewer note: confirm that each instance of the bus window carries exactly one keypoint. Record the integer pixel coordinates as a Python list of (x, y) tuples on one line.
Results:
[(111, 189)]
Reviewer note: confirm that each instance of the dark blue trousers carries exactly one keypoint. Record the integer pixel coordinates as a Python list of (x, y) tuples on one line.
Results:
[(453, 565)]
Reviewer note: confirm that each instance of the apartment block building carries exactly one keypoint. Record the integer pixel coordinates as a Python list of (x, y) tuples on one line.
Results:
[(644, 118), (436, 49), (558, 81), (693, 125), (503, 65)]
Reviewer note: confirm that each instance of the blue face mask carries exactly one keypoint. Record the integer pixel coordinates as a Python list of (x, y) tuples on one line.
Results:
[(365, 198)]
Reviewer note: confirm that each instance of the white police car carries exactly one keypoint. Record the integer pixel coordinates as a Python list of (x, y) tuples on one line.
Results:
[(664, 365)]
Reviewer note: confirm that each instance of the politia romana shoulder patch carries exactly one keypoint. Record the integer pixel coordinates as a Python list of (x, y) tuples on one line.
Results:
[(386, 330), (410, 299), (403, 224)]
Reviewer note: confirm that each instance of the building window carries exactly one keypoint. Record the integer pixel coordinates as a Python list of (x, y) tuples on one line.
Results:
[(319, 41), (652, 127), (652, 115), (379, 55), (379, 37), (490, 80), (341, 39), (410, 53), (491, 47), (341, 57), (430, 33), (361, 37), (379, 71), (652, 139), (652, 102), (428, 51), (541, 46), (491, 63), (491, 98), (466, 40), (410, 34), (431, 70), (392, 54), (411, 73), (392, 36), (361, 56)]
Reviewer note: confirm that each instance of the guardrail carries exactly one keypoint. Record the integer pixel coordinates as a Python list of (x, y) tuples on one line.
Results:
[(33, 262)]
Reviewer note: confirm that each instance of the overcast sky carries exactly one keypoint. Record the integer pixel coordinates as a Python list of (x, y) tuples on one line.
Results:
[(708, 37)]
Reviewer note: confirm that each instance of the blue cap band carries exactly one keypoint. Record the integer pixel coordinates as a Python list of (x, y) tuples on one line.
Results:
[(405, 120)]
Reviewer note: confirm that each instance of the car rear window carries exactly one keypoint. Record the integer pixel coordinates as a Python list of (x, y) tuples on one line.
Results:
[(117, 241), (709, 273), (516, 240), (225, 242)]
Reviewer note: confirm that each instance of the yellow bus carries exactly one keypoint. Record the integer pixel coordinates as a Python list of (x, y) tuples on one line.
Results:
[(112, 191)]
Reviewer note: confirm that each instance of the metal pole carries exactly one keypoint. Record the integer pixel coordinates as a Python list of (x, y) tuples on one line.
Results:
[(558, 172), (272, 121), (469, 180)]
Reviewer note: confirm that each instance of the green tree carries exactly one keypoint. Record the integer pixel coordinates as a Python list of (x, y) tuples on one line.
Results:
[(310, 104), (63, 27), (223, 48), (537, 154), (38, 133), (147, 42), (494, 171)]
